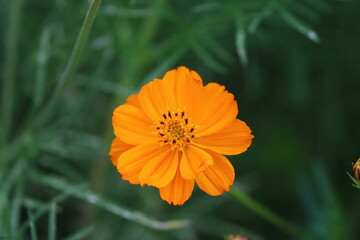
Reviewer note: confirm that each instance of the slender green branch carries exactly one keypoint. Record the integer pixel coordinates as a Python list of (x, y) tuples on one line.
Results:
[(11, 56), (43, 116), (52, 222), (32, 226), (268, 215), (72, 63), (106, 204), (41, 63), (136, 61), (81, 234)]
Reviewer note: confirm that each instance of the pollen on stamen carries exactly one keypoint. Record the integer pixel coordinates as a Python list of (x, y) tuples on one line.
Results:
[(175, 129)]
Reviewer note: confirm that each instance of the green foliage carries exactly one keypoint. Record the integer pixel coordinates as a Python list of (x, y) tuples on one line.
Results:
[(62, 77), (356, 183)]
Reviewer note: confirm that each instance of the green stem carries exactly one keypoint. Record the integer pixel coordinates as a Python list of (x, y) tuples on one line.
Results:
[(72, 63), (11, 56), (268, 215), (5, 154), (84, 193), (136, 62)]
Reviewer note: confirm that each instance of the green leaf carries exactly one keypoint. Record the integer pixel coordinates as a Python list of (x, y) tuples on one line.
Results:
[(82, 234), (52, 222), (356, 183), (206, 57), (297, 24), (255, 22), (4, 215), (41, 64), (240, 41), (10, 65), (218, 49), (46, 207), (16, 205), (31, 224)]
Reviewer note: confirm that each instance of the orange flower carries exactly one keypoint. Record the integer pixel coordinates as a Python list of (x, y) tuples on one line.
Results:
[(174, 132)]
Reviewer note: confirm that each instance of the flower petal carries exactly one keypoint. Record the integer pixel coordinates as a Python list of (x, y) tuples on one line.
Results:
[(178, 190), (131, 162), (232, 140), (219, 110), (193, 161), (117, 148), (132, 126), (157, 97), (179, 89), (159, 171), (134, 100), (188, 91), (217, 178)]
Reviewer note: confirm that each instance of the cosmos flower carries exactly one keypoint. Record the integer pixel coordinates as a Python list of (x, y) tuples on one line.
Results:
[(175, 132)]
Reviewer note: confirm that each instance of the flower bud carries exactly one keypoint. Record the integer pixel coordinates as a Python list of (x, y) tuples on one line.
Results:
[(237, 237), (356, 169)]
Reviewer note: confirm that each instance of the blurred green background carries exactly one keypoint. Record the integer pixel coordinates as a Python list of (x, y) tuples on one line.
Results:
[(293, 66)]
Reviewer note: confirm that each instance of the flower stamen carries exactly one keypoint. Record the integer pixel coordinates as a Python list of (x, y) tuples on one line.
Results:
[(175, 129)]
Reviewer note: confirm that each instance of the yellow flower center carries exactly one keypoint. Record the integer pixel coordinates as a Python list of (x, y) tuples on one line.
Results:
[(175, 129)]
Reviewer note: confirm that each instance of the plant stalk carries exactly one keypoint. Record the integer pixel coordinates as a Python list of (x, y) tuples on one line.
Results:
[(10, 64), (72, 63), (268, 215)]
